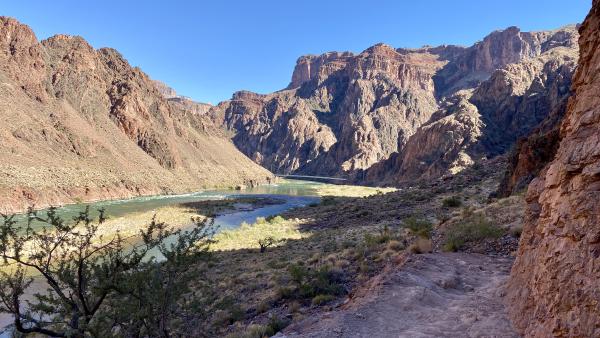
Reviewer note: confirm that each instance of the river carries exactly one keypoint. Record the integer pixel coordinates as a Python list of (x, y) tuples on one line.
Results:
[(294, 193)]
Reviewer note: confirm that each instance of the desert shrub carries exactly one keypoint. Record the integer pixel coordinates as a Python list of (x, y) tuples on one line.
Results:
[(329, 200), (418, 226), (100, 285), (264, 243), (264, 306), (421, 245), (233, 311), (275, 325), (310, 283), (395, 245), (452, 202), (322, 299), (474, 228), (384, 236)]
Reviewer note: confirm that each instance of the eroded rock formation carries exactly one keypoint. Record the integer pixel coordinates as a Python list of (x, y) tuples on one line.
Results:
[(82, 124), (392, 115), (555, 281)]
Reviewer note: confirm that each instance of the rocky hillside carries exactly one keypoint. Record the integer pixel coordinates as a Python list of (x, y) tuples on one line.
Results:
[(485, 121), (389, 115), (554, 284), (82, 124)]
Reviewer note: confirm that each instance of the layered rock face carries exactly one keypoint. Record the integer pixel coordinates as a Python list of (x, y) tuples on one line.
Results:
[(364, 106), (82, 124), (555, 281), (390, 115), (486, 121)]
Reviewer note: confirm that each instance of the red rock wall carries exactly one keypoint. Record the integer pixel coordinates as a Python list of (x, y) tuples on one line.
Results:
[(554, 290)]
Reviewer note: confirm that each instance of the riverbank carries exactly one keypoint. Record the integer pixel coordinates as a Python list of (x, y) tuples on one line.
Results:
[(324, 256), (317, 254)]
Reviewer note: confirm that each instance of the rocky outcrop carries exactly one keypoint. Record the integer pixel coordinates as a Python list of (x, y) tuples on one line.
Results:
[(318, 67), (532, 153), (484, 122), (181, 102), (553, 290), (497, 50), (390, 115), (446, 145), (82, 124)]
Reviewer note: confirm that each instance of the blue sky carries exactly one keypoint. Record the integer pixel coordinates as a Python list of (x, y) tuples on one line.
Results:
[(208, 50)]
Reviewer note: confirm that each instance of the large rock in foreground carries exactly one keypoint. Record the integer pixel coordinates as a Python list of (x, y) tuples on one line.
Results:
[(554, 289)]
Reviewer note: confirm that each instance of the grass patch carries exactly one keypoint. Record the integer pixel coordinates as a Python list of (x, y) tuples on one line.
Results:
[(350, 190), (250, 236), (474, 228)]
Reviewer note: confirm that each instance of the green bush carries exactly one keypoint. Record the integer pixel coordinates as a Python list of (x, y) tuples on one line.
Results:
[(418, 226), (384, 236), (322, 299), (475, 228), (311, 283), (452, 202), (275, 325)]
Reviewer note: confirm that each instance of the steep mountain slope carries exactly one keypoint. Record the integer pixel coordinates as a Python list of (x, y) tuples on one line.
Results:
[(82, 124), (343, 113), (553, 291), (486, 121)]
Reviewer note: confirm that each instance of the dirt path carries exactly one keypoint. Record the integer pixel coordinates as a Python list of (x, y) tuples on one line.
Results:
[(432, 295)]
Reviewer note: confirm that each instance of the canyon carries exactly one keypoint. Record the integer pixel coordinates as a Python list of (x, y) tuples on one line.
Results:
[(501, 138), (391, 115)]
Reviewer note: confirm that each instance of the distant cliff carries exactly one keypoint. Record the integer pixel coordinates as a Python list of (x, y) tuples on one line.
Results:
[(391, 115)]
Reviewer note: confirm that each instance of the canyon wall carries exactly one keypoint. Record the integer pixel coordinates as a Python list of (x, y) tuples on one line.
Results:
[(386, 115), (485, 121), (82, 124), (554, 290)]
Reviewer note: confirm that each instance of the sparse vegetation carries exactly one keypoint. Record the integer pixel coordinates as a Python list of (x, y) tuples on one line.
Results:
[(452, 202), (341, 243), (418, 226), (319, 284), (97, 285), (267, 232), (350, 190), (474, 227), (264, 243), (421, 245)]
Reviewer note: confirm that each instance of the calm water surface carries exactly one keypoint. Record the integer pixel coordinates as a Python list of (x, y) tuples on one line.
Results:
[(295, 193)]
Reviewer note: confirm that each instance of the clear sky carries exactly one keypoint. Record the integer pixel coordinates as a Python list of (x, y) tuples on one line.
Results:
[(208, 50)]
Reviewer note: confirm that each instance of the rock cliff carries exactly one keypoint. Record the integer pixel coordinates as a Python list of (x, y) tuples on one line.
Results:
[(553, 291), (392, 115), (486, 121), (82, 124)]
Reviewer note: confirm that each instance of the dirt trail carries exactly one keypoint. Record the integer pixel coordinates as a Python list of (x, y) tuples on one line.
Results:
[(431, 295)]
